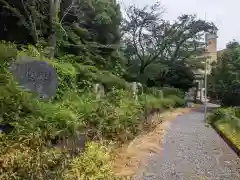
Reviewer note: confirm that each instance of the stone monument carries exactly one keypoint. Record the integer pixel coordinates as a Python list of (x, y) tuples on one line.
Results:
[(35, 76)]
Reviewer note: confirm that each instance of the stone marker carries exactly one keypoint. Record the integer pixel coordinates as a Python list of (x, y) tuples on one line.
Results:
[(35, 76), (140, 87), (99, 90), (161, 94), (135, 86)]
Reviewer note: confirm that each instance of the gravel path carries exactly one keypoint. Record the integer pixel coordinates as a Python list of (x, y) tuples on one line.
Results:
[(191, 151)]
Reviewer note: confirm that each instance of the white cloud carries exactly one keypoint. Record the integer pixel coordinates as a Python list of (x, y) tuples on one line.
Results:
[(224, 13)]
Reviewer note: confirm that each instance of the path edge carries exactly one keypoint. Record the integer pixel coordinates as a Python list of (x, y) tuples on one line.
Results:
[(227, 140)]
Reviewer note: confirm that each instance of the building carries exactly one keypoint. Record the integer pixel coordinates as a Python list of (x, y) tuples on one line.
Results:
[(209, 57)]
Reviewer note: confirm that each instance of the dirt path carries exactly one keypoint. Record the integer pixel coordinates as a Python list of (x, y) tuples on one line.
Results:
[(191, 151)]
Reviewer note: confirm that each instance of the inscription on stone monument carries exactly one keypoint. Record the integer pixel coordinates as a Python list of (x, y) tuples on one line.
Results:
[(36, 76)]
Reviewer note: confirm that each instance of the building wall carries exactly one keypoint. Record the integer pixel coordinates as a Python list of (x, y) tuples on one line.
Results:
[(211, 54), (212, 50)]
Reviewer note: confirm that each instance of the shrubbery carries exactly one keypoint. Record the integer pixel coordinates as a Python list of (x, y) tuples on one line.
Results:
[(226, 115), (7, 52), (28, 151), (228, 122), (94, 75), (21, 160), (167, 91), (94, 162)]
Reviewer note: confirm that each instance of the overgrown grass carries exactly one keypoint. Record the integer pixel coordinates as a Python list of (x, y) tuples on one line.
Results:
[(29, 151)]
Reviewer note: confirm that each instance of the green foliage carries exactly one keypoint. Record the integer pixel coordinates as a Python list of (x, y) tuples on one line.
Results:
[(228, 122), (167, 91), (28, 115), (110, 80), (94, 163), (67, 75), (226, 115), (178, 101), (161, 52), (7, 52), (73, 59), (152, 103), (116, 117), (19, 161), (178, 76), (94, 75), (29, 50), (224, 83), (154, 91), (117, 114), (122, 122)]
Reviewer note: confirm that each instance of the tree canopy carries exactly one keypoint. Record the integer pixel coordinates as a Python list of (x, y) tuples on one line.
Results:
[(224, 82), (157, 49), (137, 43)]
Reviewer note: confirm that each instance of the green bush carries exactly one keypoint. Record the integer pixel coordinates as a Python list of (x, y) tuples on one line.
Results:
[(178, 102), (228, 122), (75, 112), (116, 118), (94, 75), (168, 103), (221, 114), (237, 112), (73, 59), (94, 163), (13, 102), (30, 50), (151, 103), (167, 91), (19, 161), (66, 77), (110, 80), (29, 115), (226, 115), (8, 51), (154, 91)]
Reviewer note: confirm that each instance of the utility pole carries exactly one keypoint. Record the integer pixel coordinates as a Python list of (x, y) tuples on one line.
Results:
[(205, 92), (205, 75), (211, 54)]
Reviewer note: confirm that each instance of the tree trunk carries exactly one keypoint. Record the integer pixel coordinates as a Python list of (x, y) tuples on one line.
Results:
[(52, 39)]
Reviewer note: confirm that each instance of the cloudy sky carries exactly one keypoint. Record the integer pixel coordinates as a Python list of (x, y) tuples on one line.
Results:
[(224, 13)]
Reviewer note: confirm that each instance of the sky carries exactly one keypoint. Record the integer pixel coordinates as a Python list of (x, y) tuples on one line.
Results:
[(223, 13)]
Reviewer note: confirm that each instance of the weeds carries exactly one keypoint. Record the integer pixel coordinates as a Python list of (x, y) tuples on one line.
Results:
[(29, 151)]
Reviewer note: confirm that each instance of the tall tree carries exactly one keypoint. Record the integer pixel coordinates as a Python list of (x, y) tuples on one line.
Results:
[(152, 41), (224, 81)]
